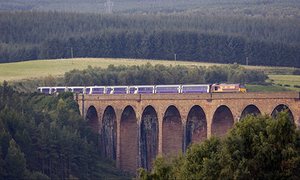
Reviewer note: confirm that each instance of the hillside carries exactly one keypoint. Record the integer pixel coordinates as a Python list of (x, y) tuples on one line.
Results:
[(278, 8), (242, 39), (281, 77), (42, 68)]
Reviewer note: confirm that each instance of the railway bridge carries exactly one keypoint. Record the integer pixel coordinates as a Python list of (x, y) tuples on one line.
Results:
[(135, 128)]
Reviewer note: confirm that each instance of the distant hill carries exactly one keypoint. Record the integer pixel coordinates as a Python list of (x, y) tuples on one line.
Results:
[(229, 31), (228, 7), (194, 37)]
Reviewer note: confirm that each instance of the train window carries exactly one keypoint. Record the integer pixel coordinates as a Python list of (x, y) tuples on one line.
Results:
[(78, 90), (87, 90), (60, 90), (46, 90)]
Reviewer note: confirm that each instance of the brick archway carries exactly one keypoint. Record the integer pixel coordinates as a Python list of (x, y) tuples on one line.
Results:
[(148, 137), (92, 119), (128, 140), (250, 110), (222, 121), (172, 132), (196, 126), (280, 108), (109, 133)]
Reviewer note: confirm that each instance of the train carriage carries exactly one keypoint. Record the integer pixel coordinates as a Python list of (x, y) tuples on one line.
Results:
[(116, 90), (58, 89), (44, 90), (95, 90), (141, 89), (195, 88), (167, 89), (75, 89)]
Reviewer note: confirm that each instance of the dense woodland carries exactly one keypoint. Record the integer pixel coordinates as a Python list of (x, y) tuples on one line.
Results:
[(225, 39), (160, 74), (43, 137), (255, 148)]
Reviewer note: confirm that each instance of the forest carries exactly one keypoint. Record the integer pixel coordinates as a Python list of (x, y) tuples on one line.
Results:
[(238, 39), (44, 137)]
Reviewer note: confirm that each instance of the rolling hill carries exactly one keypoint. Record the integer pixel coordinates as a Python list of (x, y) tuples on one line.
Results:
[(281, 77)]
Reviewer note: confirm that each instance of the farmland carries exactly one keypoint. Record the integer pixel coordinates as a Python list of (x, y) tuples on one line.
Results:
[(288, 81), (41, 68), (281, 77)]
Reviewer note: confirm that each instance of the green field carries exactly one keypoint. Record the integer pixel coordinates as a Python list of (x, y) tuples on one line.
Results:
[(42, 68), (13, 72), (287, 81)]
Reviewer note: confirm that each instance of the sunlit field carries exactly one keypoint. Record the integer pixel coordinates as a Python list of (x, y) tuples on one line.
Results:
[(287, 81), (41, 68)]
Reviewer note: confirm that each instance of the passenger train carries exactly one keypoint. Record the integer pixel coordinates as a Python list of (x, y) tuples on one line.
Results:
[(147, 89)]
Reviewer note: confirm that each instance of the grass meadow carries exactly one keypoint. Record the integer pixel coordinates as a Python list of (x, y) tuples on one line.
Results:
[(27, 70), (291, 82), (42, 68)]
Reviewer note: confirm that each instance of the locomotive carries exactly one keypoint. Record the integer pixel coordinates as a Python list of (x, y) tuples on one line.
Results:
[(147, 89)]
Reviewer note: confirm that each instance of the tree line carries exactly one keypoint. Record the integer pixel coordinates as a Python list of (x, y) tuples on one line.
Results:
[(160, 74), (229, 39), (255, 148), (274, 8), (44, 137)]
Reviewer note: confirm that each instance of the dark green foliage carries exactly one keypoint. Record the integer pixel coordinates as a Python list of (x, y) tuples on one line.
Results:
[(297, 86), (257, 147), (44, 137), (15, 163), (296, 72), (224, 39), (160, 74)]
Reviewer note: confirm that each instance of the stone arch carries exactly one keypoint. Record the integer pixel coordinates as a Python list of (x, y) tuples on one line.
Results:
[(196, 126), (148, 137), (222, 121), (280, 108), (172, 132), (92, 119), (128, 140), (250, 109), (109, 133)]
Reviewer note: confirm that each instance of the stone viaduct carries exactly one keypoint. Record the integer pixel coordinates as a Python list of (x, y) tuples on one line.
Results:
[(134, 129)]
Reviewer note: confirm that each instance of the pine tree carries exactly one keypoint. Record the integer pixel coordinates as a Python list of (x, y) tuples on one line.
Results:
[(15, 162)]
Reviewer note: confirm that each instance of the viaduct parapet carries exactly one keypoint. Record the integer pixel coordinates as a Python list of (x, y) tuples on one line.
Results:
[(135, 128)]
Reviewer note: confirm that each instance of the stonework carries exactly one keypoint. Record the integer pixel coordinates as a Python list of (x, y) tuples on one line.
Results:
[(173, 116)]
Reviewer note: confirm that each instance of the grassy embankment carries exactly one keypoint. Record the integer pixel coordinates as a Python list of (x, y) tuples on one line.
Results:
[(280, 76)]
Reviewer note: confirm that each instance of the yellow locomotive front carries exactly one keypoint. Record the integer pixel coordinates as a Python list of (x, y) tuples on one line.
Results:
[(217, 88)]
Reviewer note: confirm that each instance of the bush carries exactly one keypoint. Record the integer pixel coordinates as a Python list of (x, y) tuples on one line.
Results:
[(296, 72), (297, 86)]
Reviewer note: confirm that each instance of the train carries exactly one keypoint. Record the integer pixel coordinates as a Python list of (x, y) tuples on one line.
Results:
[(147, 89)]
